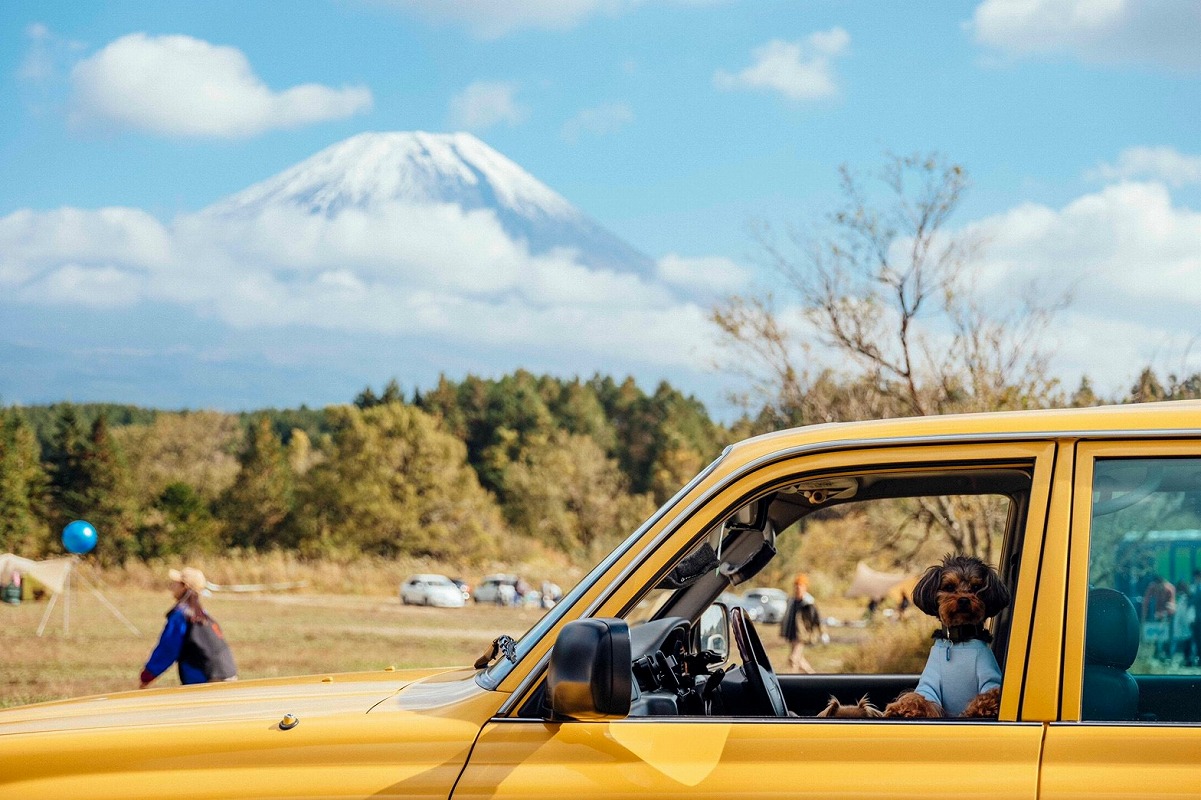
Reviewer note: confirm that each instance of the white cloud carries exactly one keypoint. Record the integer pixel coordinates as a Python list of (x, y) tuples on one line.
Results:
[(799, 70), (398, 270), (1157, 163), (181, 86), (485, 104), (598, 121), (1129, 256), (707, 277), (1095, 31)]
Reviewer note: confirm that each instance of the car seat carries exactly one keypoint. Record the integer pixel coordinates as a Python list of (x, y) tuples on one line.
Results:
[(1110, 646)]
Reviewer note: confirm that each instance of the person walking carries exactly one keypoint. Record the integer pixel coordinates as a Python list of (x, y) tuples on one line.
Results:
[(791, 627), (191, 638)]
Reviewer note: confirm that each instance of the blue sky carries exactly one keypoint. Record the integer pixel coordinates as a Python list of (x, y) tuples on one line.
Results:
[(676, 124)]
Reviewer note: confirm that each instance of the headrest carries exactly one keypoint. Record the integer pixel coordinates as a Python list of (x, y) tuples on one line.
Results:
[(1112, 634)]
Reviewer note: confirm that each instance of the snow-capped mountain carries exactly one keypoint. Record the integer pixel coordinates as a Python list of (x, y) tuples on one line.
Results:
[(372, 169)]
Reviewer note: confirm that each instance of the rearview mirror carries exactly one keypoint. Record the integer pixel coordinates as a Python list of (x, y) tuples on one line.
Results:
[(714, 630), (590, 676)]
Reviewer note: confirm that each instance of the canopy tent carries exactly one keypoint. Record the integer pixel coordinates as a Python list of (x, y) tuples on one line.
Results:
[(871, 583), (55, 574), (51, 573)]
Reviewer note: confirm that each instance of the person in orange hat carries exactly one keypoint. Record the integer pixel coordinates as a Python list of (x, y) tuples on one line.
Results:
[(791, 628), (191, 638)]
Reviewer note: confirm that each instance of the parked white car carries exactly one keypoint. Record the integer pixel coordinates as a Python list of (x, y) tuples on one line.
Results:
[(765, 605), (498, 589), (431, 590)]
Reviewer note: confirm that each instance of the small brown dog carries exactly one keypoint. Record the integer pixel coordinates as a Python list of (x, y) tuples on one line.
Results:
[(861, 710), (961, 678)]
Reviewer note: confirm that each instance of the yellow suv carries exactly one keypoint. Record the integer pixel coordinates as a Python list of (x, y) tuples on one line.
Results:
[(637, 685)]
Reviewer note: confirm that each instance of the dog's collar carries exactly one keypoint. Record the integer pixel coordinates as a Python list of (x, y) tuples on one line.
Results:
[(963, 633)]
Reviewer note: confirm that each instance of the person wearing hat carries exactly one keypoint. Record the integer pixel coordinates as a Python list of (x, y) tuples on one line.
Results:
[(191, 638)]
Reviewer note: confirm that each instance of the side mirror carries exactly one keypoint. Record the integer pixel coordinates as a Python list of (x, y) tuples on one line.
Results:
[(714, 630), (590, 677)]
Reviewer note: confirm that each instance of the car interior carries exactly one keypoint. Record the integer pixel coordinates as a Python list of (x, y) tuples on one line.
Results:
[(681, 662)]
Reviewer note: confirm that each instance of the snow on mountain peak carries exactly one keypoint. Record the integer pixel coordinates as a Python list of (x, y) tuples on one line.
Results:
[(417, 167), (372, 171)]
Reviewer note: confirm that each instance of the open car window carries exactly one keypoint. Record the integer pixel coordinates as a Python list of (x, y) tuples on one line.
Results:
[(860, 540)]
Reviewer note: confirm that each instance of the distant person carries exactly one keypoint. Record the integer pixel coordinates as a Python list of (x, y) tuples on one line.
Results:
[(191, 638), (1158, 610), (792, 627), (1182, 626)]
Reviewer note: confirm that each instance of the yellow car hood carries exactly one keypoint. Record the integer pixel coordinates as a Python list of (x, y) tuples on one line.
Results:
[(267, 700)]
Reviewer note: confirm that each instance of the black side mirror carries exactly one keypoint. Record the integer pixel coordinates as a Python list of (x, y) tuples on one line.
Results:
[(590, 676)]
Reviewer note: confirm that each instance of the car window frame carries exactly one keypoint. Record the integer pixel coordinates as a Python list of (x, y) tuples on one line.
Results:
[(779, 469), (1087, 455)]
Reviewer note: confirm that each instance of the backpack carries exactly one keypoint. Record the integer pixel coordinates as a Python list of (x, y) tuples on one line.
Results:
[(205, 648)]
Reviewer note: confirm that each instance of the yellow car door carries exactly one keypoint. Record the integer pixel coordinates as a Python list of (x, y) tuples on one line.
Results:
[(528, 756), (1131, 709)]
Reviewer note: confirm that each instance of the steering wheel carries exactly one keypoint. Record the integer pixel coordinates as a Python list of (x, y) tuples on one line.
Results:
[(760, 677)]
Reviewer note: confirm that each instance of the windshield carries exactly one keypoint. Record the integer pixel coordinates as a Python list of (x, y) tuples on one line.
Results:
[(491, 677)]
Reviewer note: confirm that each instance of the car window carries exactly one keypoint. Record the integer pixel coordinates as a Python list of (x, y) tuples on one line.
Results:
[(844, 561), (1142, 632)]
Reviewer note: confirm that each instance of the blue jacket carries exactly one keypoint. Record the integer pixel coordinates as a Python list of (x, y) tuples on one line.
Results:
[(166, 652), (956, 672)]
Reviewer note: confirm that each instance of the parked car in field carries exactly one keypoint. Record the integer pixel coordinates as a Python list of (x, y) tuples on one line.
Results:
[(636, 685), (500, 590), (431, 590), (765, 605), (464, 587)]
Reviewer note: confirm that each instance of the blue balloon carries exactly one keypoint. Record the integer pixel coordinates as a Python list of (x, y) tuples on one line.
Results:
[(79, 537)]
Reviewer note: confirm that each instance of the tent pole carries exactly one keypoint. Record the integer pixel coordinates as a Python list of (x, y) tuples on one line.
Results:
[(99, 596), (46, 616)]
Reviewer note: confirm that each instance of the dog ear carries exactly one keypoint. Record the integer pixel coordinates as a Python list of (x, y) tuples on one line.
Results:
[(994, 594), (831, 709), (925, 593)]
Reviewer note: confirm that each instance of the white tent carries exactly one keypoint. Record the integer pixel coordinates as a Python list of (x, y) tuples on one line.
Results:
[(51, 573), (871, 583), (55, 574)]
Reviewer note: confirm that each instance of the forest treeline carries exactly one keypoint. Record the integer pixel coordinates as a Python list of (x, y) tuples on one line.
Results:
[(468, 471)]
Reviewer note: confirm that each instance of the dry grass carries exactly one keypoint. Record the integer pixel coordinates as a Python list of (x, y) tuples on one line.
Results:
[(272, 634)]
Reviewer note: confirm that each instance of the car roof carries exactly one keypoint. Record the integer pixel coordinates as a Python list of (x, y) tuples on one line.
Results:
[(1173, 418)]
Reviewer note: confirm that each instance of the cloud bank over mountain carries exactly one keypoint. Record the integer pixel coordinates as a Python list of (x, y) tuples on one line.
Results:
[(400, 236)]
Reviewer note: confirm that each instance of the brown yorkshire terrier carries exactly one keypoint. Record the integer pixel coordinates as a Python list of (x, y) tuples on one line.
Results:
[(861, 710), (961, 678)]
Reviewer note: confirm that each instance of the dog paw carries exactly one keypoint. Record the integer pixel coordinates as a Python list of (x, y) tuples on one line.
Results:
[(985, 705), (912, 705)]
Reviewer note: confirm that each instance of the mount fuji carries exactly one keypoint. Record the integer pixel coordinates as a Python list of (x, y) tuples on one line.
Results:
[(371, 170)]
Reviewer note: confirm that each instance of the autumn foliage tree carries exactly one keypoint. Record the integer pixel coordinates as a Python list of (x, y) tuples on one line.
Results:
[(890, 322), (395, 483), (894, 325)]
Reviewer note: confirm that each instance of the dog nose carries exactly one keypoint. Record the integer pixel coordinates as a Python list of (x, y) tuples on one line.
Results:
[(964, 604)]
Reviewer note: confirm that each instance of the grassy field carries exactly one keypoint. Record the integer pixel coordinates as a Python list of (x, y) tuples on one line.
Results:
[(274, 634)]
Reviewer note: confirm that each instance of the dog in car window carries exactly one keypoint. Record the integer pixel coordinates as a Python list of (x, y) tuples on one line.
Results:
[(861, 710), (961, 677)]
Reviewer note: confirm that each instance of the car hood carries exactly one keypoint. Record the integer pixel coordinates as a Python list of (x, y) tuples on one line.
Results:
[(265, 699)]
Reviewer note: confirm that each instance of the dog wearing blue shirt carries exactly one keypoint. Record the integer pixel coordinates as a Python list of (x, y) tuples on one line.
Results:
[(961, 677)]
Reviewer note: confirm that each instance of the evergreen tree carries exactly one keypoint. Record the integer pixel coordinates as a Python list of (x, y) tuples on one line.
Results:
[(256, 507), (65, 458), (23, 488), (394, 483), (104, 496), (180, 522)]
